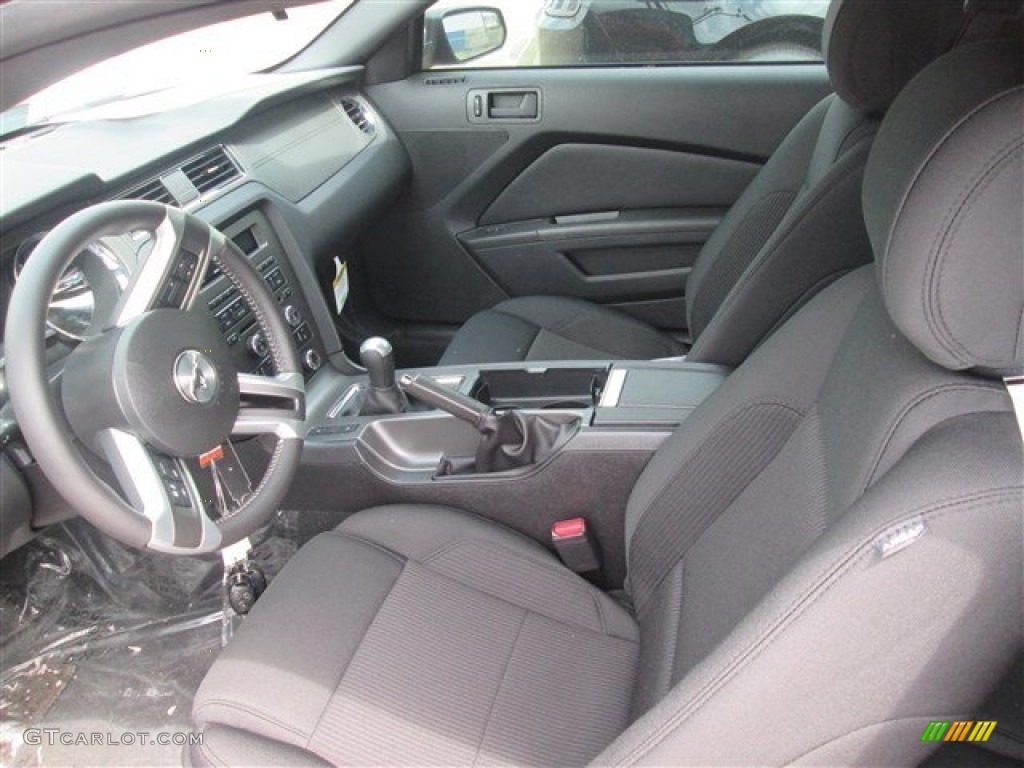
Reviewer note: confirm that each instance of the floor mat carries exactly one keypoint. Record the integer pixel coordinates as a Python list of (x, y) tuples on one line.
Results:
[(103, 646)]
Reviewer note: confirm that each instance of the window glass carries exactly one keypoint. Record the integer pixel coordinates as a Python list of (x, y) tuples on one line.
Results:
[(553, 33)]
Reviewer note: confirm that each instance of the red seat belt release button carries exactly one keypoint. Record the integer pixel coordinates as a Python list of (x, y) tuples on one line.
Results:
[(575, 545)]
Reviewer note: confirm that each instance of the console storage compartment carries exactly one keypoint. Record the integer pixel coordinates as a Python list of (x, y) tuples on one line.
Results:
[(536, 388)]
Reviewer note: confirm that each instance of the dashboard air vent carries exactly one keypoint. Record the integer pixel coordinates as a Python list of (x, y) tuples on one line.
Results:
[(152, 190), (357, 114), (211, 170)]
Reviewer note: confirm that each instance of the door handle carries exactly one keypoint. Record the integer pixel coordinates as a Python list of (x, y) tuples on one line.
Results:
[(504, 104), (521, 105)]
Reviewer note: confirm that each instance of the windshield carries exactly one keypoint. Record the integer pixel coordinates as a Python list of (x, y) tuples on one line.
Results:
[(202, 60)]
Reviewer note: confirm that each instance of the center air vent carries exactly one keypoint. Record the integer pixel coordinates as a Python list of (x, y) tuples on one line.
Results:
[(359, 116), (211, 170), (152, 190)]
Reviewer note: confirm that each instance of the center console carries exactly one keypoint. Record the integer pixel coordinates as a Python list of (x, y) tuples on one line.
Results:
[(603, 422)]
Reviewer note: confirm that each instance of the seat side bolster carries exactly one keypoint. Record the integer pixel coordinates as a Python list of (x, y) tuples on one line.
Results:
[(793, 264), (784, 173), (950, 598), (494, 560), (280, 670), (224, 746)]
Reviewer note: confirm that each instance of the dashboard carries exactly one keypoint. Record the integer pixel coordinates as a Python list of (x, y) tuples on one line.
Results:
[(291, 167)]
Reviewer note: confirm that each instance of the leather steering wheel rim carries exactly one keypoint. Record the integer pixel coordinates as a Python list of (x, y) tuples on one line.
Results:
[(44, 422)]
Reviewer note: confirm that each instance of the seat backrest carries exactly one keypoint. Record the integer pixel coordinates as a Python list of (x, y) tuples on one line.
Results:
[(799, 224), (828, 554)]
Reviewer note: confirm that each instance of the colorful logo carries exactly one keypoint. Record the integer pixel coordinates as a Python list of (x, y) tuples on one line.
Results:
[(958, 730)]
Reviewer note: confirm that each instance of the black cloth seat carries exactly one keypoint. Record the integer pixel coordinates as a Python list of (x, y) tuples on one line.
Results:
[(795, 229), (822, 559), (427, 636)]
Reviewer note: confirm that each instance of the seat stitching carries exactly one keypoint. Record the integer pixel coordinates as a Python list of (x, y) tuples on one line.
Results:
[(997, 168), (532, 341), (918, 174), (839, 567), (935, 260), (556, 328), (211, 757), (904, 414), (258, 713), (570, 340), (549, 567), (362, 640), (803, 299), (501, 683), (371, 543), (870, 128), (694, 305)]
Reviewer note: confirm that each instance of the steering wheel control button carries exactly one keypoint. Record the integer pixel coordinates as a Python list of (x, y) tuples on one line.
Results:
[(276, 280), (186, 267), (196, 377), (257, 345), (312, 361), (302, 334), (292, 316), (173, 293), (167, 468), (177, 493)]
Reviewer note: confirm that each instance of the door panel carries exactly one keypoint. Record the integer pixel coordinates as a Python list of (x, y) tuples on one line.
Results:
[(667, 149), (579, 178), (635, 260)]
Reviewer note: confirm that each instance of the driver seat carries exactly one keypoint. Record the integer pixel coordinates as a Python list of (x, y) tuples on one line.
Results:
[(825, 557)]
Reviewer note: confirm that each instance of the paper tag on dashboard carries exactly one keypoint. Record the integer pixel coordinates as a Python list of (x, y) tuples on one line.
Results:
[(340, 284)]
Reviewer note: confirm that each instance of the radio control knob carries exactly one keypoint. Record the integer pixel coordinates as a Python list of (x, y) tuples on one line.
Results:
[(292, 316), (257, 345), (312, 360)]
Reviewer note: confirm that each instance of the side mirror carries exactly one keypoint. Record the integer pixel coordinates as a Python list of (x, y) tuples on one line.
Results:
[(455, 36)]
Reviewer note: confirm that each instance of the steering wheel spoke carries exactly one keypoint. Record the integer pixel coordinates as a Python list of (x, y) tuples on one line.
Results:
[(171, 276), (271, 405), (162, 489)]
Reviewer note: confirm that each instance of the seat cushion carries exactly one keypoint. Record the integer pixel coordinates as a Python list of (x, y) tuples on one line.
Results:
[(424, 635), (555, 328)]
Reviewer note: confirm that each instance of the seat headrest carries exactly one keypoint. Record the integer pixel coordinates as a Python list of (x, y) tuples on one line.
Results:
[(874, 47), (944, 202)]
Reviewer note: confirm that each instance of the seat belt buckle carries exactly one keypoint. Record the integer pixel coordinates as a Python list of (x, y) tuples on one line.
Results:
[(575, 545)]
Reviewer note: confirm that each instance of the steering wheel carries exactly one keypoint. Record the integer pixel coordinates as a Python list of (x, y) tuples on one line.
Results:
[(155, 387)]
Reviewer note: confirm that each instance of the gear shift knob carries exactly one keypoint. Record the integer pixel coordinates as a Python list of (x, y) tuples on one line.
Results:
[(383, 395), (378, 358)]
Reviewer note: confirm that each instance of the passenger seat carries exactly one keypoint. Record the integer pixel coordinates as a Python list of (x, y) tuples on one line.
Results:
[(796, 228)]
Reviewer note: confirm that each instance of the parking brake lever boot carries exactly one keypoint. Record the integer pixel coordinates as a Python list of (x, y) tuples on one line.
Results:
[(509, 440), (383, 395)]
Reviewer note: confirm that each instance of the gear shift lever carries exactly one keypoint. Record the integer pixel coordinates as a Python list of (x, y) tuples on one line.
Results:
[(383, 395)]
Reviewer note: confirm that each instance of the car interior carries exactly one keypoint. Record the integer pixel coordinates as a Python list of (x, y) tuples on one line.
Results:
[(481, 383)]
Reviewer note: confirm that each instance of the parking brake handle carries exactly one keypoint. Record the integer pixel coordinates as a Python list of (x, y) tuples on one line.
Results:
[(444, 398)]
